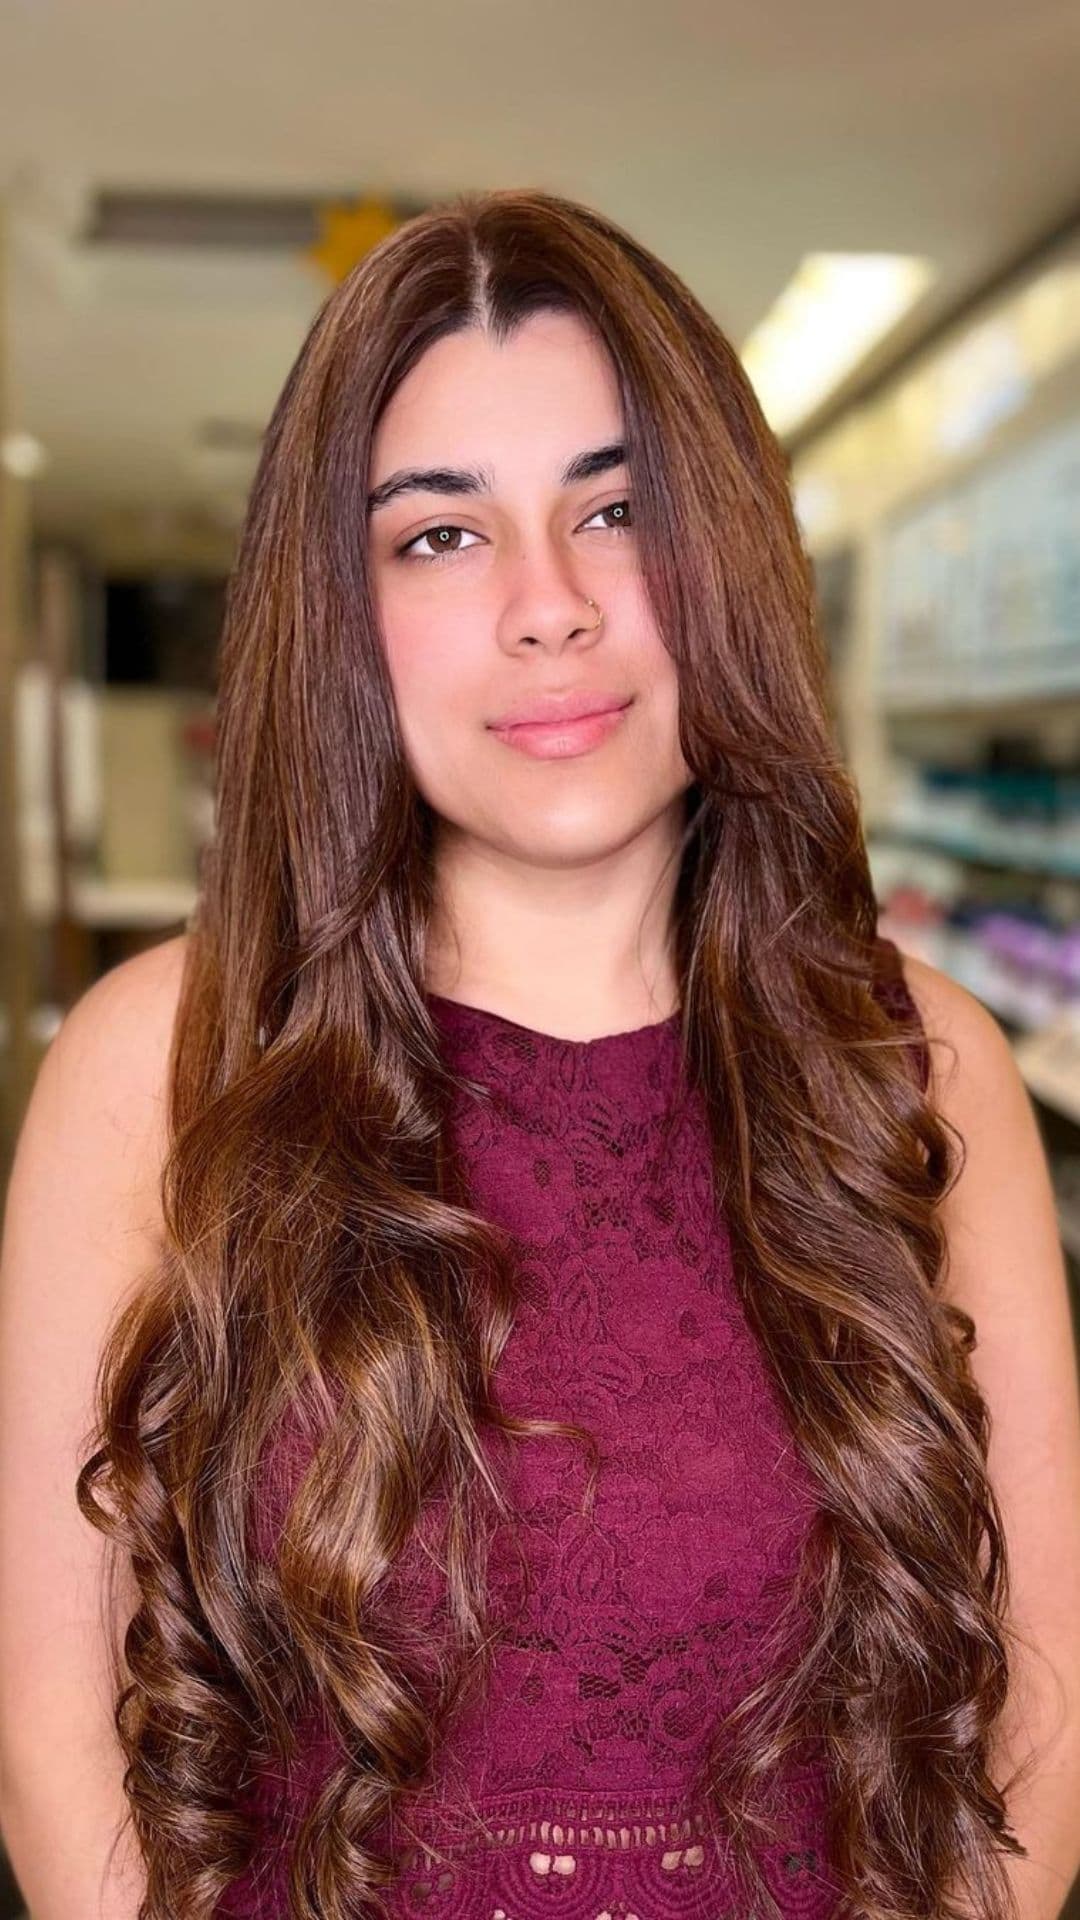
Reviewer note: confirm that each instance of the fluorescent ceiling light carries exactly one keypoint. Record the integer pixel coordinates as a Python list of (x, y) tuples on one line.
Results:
[(833, 310)]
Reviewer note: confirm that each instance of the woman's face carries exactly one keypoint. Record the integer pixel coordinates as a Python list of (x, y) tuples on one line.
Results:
[(509, 508)]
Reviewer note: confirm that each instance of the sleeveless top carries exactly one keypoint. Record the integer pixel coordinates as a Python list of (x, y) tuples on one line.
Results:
[(565, 1791)]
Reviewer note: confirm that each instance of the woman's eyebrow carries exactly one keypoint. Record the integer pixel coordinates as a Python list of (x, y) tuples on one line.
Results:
[(583, 466)]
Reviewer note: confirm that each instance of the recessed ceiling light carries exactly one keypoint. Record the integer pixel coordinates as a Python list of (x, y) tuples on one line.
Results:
[(22, 455)]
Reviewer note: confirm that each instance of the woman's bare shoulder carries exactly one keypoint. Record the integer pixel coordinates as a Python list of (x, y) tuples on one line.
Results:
[(144, 983), (967, 1043), (123, 1021), (100, 1095)]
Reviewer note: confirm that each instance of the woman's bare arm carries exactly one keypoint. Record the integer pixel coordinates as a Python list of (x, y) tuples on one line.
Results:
[(1007, 1269), (81, 1229)]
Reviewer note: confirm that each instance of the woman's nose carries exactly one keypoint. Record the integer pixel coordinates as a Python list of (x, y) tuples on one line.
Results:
[(549, 606)]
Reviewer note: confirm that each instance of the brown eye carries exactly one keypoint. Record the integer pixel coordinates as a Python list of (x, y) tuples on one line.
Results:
[(441, 548), (622, 515)]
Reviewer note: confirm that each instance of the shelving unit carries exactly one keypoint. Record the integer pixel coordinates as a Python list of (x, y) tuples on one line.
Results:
[(943, 517)]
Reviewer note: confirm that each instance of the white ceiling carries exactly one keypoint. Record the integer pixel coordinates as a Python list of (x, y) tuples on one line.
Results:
[(728, 136)]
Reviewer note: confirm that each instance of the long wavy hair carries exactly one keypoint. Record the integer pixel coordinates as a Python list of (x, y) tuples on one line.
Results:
[(320, 1267)]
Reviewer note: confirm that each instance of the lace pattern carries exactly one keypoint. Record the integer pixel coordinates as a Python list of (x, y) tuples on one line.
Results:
[(636, 1858), (565, 1790)]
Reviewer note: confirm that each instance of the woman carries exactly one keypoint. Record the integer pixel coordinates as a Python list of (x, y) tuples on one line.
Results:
[(551, 1467)]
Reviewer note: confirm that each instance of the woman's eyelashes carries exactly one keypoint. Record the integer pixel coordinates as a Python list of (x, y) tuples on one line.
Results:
[(446, 550)]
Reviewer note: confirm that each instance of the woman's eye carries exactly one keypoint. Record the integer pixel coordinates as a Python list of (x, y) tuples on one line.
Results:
[(443, 547), (621, 509)]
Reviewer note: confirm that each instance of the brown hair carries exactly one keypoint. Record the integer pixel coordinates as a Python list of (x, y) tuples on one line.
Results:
[(319, 1259)]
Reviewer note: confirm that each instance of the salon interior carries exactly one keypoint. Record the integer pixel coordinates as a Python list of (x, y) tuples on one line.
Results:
[(882, 210)]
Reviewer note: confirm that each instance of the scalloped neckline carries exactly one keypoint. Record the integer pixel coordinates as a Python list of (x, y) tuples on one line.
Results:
[(487, 1018)]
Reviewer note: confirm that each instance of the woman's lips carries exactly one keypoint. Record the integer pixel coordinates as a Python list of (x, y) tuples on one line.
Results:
[(560, 739)]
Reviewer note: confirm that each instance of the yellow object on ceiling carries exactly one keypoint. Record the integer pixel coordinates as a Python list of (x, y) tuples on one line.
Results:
[(348, 230)]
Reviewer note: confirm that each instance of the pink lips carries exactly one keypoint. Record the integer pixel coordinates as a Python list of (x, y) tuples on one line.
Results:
[(560, 739)]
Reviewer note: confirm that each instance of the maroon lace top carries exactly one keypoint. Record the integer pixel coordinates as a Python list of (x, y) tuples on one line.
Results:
[(565, 1792)]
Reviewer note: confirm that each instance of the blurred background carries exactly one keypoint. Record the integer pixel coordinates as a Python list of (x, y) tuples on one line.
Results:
[(880, 207)]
